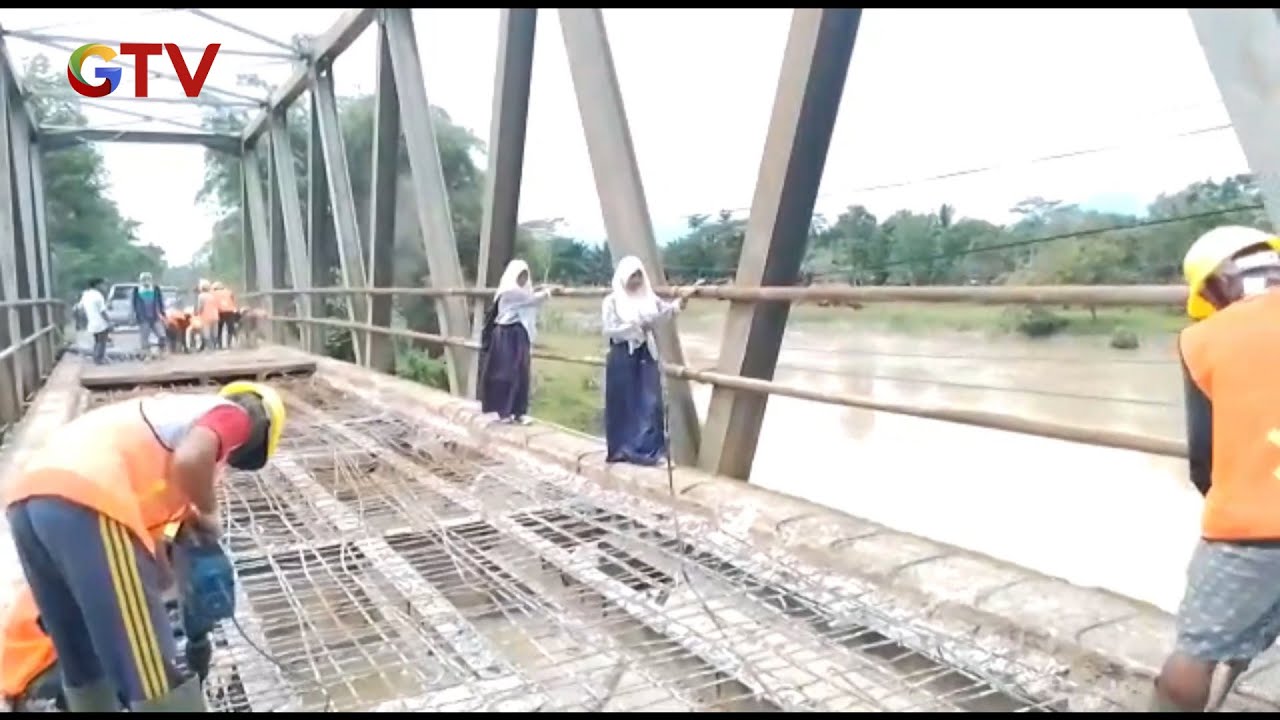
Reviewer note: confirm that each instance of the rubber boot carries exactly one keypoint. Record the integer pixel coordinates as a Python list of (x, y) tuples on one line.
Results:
[(187, 697), (98, 697)]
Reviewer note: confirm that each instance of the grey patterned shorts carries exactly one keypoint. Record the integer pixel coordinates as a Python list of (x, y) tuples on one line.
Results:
[(1231, 609)]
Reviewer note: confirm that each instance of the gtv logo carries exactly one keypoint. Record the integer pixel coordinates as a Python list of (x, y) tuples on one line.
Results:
[(110, 75)]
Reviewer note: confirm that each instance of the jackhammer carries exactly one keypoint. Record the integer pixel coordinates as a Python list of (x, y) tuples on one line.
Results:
[(206, 591)]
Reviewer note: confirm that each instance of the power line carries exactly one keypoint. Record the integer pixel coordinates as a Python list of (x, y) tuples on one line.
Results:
[(979, 170)]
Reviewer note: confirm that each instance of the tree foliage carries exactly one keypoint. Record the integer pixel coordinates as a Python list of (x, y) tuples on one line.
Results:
[(88, 236)]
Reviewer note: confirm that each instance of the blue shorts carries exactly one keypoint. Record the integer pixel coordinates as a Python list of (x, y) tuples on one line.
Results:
[(1231, 609)]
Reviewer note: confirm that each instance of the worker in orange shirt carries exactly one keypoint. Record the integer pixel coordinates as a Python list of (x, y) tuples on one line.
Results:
[(176, 323), (86, 525), (28, 662), (228, 315), (207, 311), (1230, 611)]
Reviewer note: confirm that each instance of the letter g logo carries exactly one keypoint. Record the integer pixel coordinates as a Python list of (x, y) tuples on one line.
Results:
[(110, 75)]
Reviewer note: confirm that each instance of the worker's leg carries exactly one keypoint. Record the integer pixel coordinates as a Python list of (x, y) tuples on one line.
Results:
[(85, 681), (1229, 615), (117, 587)]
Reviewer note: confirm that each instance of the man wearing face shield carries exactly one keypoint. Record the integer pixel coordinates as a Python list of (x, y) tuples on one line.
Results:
[(1230, 612), (87, 514)]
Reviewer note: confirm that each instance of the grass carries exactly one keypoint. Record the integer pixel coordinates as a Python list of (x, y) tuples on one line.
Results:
[(563, 314)]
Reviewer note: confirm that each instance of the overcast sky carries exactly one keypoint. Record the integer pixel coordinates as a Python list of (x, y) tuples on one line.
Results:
[(930, 92)]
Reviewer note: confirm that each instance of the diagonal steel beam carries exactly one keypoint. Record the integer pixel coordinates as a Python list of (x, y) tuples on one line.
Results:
[(248, 257), (432, 194), (258, 221), (621, 191), (276, 248), (814, 66), (517, 28), (382, 205), (1240, 46), (291, 210), (320, 239), (52, 315), (323, 50), (342, 201)]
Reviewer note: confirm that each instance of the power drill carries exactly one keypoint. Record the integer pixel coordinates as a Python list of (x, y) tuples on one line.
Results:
[(206, 590)]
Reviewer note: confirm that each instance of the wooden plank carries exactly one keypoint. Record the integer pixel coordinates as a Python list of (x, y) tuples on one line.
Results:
[(199, 367)]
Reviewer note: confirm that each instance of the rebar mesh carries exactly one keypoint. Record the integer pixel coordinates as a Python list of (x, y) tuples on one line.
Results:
[(385, 565)]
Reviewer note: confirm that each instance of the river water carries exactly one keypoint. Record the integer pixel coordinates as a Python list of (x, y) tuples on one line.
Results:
[(1096, 517)]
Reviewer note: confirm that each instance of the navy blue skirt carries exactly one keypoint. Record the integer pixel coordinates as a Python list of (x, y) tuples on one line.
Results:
[(504, 374), (633, 426)]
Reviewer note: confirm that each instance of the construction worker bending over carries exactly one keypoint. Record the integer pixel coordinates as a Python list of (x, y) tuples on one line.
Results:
[(1230, 611), (86, 513)]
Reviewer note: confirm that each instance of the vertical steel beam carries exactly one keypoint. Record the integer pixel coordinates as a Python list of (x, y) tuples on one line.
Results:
[(52, 315), (256, 194), (20, 139), (517, 28), (320, 240), (622, 198), (295, 241), (431, 193), (248, 248), (1242, 47), (382, 205), (814, 66), (280, 304), (12, 386), (342, 200)]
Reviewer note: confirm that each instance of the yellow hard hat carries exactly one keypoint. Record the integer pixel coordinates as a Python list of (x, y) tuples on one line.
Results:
[(271, 402), (1207, 254)]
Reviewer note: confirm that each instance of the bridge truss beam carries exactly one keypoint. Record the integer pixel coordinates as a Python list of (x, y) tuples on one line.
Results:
[(814, 66), (1242, 48), (28, 315)]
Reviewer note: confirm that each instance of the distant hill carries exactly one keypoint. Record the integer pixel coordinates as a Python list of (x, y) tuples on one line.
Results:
[(1116, 202)]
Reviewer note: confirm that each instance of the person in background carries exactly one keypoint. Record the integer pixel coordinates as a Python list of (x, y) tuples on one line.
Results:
[(1230, 611), (633, 412), (228, 316), (88, 527), (94, 305), (207, 311), (176, 323), (148, 312), (507, 344)]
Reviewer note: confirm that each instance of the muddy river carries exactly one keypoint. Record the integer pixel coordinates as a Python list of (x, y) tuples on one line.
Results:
[(1094, 516)]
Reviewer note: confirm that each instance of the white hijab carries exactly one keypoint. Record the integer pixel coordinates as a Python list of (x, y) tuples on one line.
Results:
[(633, 308), (511, 277)]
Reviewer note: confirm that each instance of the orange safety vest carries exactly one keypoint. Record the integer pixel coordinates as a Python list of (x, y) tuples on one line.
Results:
[(1229, 356), (121, 462), (226, 300), (28, 652), (176, 319), (208, 308)]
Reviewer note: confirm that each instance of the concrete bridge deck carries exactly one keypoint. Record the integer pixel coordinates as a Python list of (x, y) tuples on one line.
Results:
[(402, 552)]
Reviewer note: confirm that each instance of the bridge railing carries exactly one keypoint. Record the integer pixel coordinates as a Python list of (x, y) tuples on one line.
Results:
[(30, 336), (1088, 296)]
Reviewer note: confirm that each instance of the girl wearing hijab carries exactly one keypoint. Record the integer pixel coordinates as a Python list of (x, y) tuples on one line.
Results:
[(507, 342), (633, 421)]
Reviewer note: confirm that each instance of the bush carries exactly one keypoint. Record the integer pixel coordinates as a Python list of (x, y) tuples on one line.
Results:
[(1124, 339), (1034, 321), (418, 367)]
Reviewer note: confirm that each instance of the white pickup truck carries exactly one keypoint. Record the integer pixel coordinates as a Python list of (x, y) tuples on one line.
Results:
[(120, 302)]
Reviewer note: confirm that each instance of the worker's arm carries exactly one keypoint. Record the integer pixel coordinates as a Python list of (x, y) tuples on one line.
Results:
[(1199, 432), (196, 458)]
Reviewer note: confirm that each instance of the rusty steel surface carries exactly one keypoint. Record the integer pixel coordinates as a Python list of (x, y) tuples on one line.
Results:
[(385, 565)]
